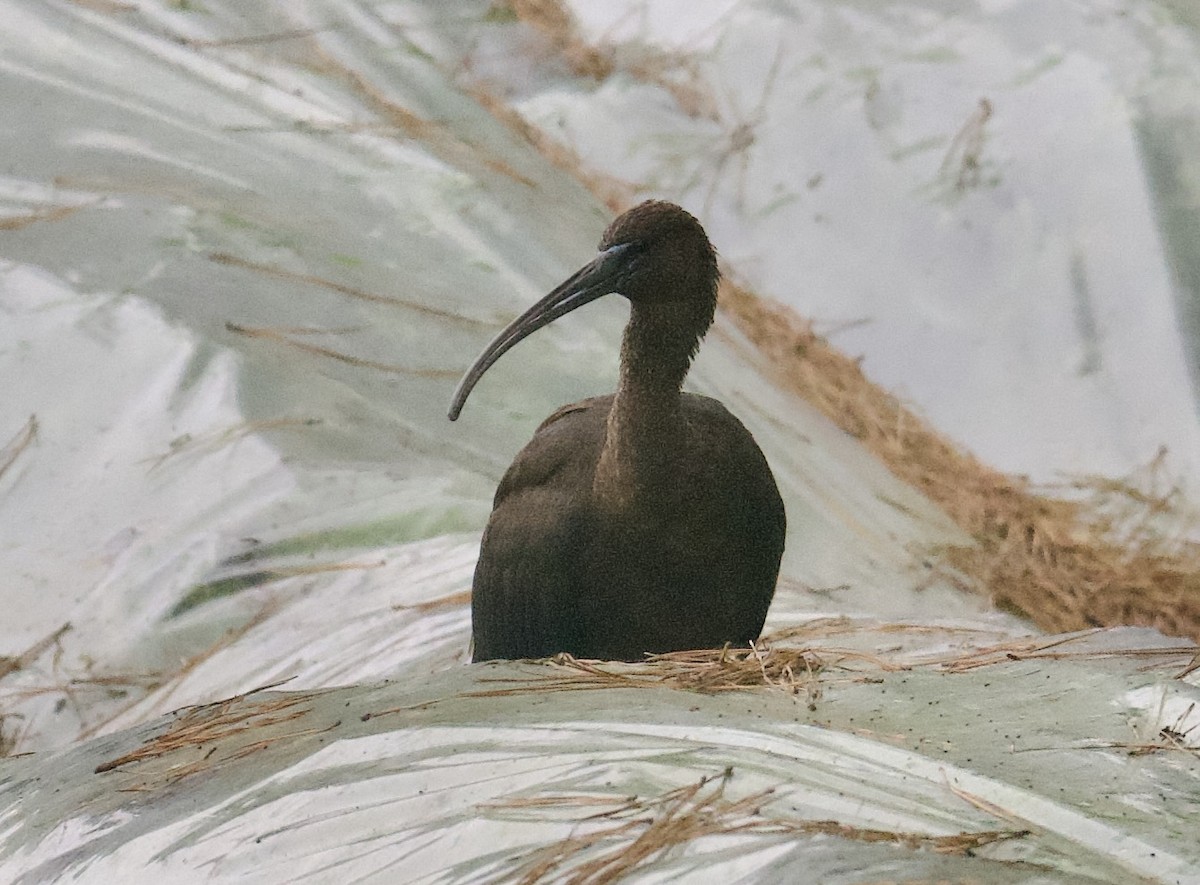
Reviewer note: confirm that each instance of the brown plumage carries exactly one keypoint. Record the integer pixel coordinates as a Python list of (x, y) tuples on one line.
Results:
[(645, 521)]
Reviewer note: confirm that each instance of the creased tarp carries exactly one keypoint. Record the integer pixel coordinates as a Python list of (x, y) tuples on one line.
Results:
[(258, 266), (466, 775)]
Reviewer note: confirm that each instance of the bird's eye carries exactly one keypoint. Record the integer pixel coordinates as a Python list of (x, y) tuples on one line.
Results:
[(632, 252)]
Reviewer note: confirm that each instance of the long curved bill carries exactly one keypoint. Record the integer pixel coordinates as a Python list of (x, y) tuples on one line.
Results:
[(587, 284)]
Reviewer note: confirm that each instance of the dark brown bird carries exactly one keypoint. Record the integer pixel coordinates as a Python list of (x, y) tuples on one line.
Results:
[(645, 521)]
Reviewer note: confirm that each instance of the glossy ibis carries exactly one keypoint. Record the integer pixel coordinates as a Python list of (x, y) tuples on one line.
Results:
[(645, 521)]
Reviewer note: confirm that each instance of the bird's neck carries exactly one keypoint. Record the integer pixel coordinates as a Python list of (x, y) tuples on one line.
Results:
[(645, 435)]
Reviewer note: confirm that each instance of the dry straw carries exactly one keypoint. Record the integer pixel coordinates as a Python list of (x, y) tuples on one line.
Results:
[(627, 833), (203, 738), (777, 662)]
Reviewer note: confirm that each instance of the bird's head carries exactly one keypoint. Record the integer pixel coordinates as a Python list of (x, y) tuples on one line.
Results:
[(657, 256), (663, 255)]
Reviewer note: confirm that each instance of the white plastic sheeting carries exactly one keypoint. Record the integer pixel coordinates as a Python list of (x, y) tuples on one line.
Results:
[(993, 203), (451, 779), (246, 252), (297, 290)]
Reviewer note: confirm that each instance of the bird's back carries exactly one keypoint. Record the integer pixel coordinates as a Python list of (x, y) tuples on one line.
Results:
[(695, 571)]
